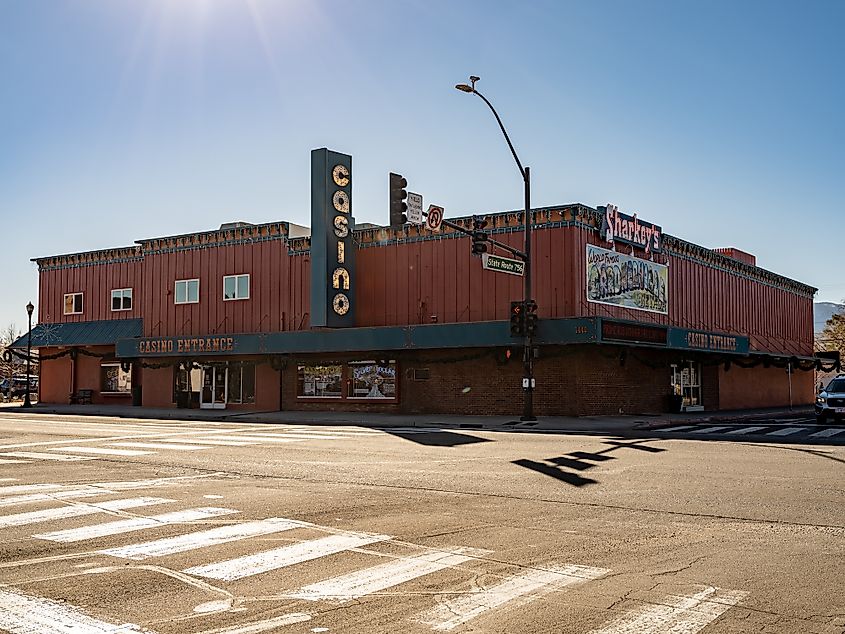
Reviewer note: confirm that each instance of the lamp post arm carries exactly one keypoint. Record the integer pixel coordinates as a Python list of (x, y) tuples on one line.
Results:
[(505, 132)]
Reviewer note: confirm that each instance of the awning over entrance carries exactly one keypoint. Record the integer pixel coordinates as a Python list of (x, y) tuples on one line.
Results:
[(82, 333)]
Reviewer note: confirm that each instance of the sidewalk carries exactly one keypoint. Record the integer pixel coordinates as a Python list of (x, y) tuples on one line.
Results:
[(594, 424)]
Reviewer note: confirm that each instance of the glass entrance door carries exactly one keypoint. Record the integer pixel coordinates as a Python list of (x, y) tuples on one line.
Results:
[(215, 380), (686, 379)]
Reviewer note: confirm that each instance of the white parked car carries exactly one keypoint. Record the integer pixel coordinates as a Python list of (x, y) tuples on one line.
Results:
[(830, 402)]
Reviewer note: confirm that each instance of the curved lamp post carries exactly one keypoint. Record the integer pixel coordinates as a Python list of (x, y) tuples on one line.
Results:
[(527, 356), (29, 309)]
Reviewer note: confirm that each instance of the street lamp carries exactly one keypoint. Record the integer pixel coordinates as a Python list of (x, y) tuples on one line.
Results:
[(29, 309), (527, 352)]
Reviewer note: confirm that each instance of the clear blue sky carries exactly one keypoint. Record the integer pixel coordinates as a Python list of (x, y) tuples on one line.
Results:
[(722, 121)]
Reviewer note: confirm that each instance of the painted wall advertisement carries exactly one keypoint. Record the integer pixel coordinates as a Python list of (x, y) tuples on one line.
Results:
[(623, 280)]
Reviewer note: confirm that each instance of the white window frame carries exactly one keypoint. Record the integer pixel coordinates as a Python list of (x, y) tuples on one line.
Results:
[(187, 299), (81, 303), (236, 299), (122, 292)]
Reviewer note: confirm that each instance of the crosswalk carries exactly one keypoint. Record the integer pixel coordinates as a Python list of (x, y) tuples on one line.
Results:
[(151, 441), (477, 583), (800, 430)]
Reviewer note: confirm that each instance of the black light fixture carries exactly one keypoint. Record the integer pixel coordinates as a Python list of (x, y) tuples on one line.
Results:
[(528, 357), (29, 309)]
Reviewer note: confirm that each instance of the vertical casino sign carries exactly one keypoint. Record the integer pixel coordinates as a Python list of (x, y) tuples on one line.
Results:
[(332, 249)]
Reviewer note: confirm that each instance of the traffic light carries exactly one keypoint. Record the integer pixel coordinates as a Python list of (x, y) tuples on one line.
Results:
[(517, 319), (398, 206), (479, 237), (479, 242), (530, 317)]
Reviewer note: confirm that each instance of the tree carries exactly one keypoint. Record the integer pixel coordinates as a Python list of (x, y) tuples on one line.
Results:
[(833, 335), (13, 367)]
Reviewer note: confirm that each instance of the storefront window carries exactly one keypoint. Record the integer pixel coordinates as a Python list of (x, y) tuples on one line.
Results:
[(114, 380), (241, 382), (320, 381), (373, 380)]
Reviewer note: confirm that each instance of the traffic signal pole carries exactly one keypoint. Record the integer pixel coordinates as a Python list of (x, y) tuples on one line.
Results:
[(527, 348)]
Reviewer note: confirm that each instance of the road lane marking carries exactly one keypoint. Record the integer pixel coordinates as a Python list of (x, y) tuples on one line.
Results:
[(81, 492), (256, 627), (259, 439), (827, 433), (203, 539), (103, 451), (26, 614), (156, 445), (76, 510), (787, 432), (203, 441), (133, 524), (276, 558), (295, 436), (2, 461), (746, 430), (682, 428), (361, 583), (679, 614), (44, 456), (710, 430), (29, 488), (522, 587)]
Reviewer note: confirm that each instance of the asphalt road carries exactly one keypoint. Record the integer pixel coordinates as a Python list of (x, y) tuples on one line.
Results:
[(159, 526)]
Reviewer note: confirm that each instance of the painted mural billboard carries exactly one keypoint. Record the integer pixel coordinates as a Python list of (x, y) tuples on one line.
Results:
[(623, 280)]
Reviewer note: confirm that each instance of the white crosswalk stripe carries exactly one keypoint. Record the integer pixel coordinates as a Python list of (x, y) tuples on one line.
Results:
[(133, 524), (27, 614), (29, 488), (522, 588), (203, 539), (786, 432), (827, 433), (157, 445), (76, 510), (80, 492), (711, 430), (676, 614), (745, 430), (102, 451), (284, 556), (377, 578), (208, 441), (38, 455), (258, 439), (681, 428)]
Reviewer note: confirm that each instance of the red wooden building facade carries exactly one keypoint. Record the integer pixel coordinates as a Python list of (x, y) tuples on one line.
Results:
[(430, 324)]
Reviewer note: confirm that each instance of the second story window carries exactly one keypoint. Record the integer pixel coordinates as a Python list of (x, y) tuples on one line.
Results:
[(73, 304), (236, 287), (187, 291), (121, 299)]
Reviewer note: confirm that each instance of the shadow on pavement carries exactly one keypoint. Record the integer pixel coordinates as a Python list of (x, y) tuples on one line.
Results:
[(562, 467), (438, 438)]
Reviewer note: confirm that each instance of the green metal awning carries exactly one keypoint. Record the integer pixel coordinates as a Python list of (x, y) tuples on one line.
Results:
[(82, 333)]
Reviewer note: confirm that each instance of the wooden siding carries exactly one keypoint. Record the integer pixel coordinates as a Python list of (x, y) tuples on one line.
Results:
[(418, 281), (95, 282), (279, 292)]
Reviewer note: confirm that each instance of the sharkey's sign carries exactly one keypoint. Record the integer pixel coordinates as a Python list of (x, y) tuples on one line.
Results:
[(619, 227)]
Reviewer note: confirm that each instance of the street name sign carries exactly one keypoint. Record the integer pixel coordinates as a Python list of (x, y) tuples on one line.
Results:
[(415, 204), (503, 265)]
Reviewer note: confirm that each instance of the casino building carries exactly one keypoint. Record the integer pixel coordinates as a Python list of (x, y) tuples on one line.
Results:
[(346, 317)]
